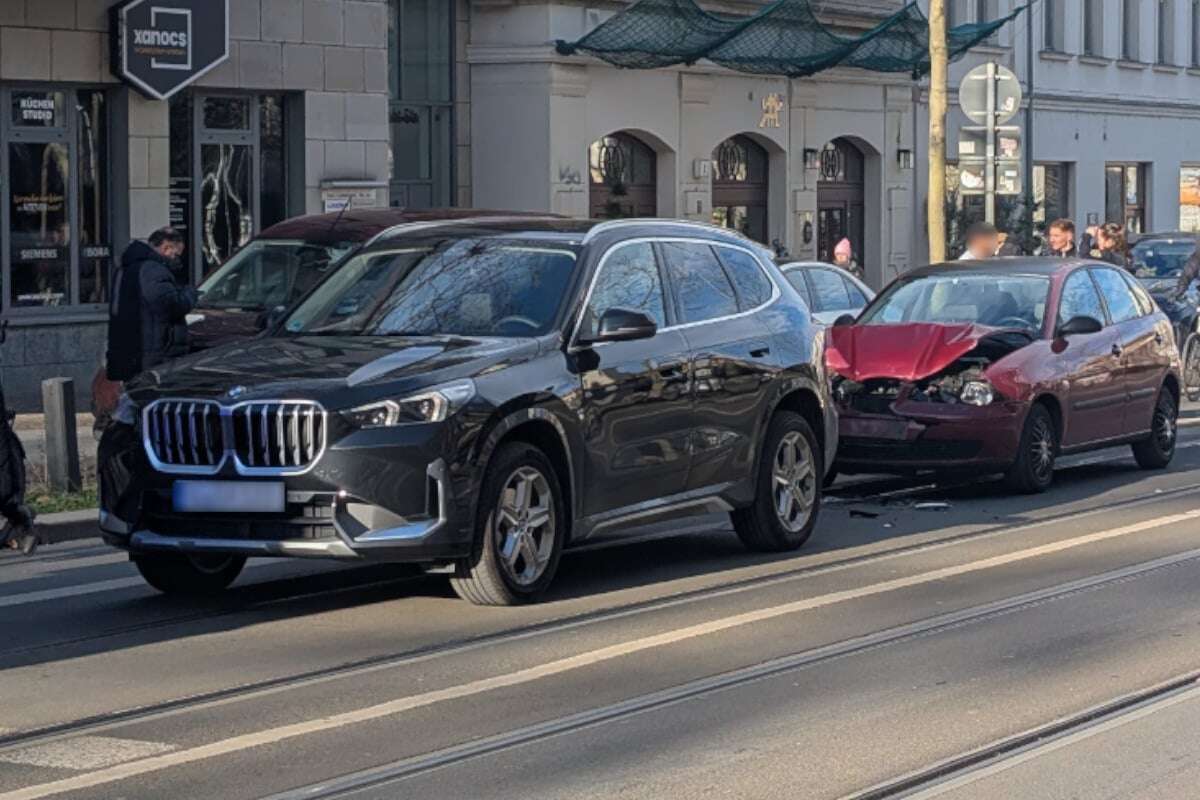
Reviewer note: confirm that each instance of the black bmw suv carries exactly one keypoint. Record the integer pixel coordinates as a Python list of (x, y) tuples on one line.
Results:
[(475, 396)]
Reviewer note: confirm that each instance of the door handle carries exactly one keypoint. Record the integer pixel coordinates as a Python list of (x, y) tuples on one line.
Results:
[(1117, 350), (760, 352)]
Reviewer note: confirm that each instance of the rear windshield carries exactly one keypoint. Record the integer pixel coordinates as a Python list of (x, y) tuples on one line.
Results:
[(1161, 258), (268, 273), (462, 287), (995, 299)]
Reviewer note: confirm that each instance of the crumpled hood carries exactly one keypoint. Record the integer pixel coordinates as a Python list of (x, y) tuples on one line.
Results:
[(906, 352)]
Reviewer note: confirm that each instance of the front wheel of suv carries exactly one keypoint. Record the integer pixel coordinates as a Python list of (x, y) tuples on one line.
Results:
[(788, 497), (189, 575), (522, 525)]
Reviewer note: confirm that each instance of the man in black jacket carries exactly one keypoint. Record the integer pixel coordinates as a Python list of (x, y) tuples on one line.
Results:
[(147, 314)]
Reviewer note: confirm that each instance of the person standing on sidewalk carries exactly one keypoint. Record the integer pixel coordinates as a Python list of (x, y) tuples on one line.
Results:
[(147, 316), (1060, 237)]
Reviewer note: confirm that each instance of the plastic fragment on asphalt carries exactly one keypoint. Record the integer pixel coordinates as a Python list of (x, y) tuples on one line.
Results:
[(854, 512), (931, 506)]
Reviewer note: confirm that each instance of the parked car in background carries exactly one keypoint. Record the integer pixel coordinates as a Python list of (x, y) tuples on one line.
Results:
[(1159, 260), (829, 291), (1002, 367), (275, 269), (474, 397)]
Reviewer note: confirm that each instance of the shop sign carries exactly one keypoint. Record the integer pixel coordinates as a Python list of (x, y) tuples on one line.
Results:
[(338, 196), (37, 109), (161, 46)]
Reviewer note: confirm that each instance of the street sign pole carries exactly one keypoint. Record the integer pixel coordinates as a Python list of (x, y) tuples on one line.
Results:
[(989, 174)]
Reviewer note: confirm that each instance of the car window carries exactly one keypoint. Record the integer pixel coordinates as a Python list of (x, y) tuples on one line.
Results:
[(829, 291), (1140, 295), (857, 298), (1080, 299), (753, 286), (988, 298), (702, 290), (267, 273), (796, 278), (463, 287), (1117, 296), (628, 279)]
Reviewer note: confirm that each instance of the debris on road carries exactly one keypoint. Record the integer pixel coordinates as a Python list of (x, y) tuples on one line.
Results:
[(932, 506), (860, 514)]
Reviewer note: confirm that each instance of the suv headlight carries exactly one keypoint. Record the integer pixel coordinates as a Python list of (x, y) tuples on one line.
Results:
[(977, 393), (432, 406)]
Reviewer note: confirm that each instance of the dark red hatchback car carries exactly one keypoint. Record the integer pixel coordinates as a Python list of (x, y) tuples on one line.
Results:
[(1000, 366)]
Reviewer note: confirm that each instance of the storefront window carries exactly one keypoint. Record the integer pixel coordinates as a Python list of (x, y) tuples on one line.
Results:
[(1125, 195), (1189, 198), (55, 217), (39, 230), (1051, 196), (228, 172)]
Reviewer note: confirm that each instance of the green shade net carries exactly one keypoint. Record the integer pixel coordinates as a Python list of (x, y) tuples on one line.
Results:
[(784, 38)]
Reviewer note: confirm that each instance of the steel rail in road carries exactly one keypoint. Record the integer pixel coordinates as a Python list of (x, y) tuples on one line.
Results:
[(375, 778), (177, 706)]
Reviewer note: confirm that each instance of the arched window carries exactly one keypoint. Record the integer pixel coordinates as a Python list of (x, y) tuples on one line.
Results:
[(740, 188)]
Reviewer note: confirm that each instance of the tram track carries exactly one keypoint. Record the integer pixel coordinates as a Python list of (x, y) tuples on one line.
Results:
[(99, 722)]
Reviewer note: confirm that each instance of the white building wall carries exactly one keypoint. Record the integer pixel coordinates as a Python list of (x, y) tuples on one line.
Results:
[(1093, 110)]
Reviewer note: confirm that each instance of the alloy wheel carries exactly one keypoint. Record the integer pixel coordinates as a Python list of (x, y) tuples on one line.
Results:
[(1164, 427), (1041, 450), (525, 525), (795, 482)]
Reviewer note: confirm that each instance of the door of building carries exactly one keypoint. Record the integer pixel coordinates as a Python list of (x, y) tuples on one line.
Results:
[(228, 173), (740, 190), (840, 199), (622, 177)]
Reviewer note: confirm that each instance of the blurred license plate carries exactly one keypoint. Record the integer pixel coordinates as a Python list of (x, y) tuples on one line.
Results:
[(874, 428), (195, 497)]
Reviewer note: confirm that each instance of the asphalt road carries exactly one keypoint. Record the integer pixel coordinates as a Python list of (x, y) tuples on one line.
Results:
[(930, 641)]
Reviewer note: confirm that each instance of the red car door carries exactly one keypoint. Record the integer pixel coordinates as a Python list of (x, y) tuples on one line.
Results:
[(1091, 365), (1140, 341)]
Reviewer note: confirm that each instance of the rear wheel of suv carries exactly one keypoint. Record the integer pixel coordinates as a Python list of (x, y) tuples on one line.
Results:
[(788, 498), (521, 530), (189, 575), (1157, 449), (1033, 471)]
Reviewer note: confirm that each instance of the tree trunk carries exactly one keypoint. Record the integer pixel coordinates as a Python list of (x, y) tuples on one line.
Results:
[(937, 131)]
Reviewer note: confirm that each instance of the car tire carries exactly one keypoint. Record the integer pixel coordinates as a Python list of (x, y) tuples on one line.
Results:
[(1033, 471), (1157, 449), (787, 499), (514, 558), (189, 575), (1191, 367)]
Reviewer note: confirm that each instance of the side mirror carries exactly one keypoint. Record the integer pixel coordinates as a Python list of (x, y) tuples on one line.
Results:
[(844, 319), (624, 325), (269, 319), (1080, 325)]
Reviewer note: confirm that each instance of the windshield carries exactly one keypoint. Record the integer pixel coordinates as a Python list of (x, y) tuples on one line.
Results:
[(995, 299), (1154, 259), (266, 273), (460, 288)]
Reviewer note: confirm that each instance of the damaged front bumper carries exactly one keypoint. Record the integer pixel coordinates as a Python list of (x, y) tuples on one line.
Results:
[(928, 436)]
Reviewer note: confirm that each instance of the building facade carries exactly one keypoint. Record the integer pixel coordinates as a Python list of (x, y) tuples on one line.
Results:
[(298, 111), (1116, 111), (802, 163)]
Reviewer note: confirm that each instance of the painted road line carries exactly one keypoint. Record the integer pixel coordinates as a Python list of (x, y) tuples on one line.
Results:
[(85, 752), (561, 666)]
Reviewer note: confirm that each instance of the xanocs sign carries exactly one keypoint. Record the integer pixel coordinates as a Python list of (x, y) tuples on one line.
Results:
[(160, 46)]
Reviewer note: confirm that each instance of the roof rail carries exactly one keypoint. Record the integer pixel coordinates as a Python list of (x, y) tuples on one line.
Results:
[(412, 227), (620, 223)]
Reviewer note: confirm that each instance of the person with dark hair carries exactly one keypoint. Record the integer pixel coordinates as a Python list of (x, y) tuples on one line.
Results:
[(1108, 243), (983, 240), (147, 311), (1060, 237)]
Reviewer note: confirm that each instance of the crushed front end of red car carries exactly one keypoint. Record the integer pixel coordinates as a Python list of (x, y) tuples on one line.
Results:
[(926, 396)]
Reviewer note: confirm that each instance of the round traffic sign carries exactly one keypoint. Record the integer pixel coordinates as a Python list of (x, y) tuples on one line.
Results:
[(973, 94)]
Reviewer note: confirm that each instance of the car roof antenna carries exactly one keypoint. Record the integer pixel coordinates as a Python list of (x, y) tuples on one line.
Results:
[(338, 218)]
